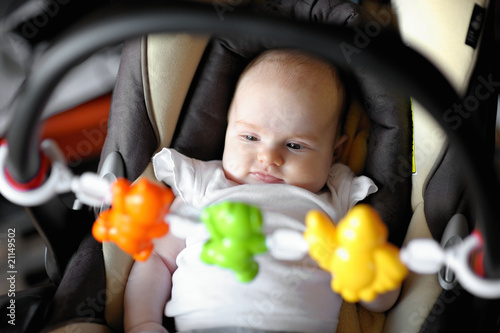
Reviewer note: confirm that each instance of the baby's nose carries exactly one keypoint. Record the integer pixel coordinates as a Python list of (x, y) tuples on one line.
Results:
[(270, 156)]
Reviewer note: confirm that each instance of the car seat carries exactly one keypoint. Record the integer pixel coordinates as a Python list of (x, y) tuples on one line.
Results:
[(457, 37), (140, 85), (142, 76)]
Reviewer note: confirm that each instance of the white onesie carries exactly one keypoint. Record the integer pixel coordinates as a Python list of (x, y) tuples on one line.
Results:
[(285, 295)]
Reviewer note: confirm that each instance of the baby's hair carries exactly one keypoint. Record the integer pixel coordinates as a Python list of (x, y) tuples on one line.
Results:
[(294, 67), (294, 64)]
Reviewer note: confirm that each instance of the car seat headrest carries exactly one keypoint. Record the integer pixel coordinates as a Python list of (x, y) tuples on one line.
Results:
[(389, 147)]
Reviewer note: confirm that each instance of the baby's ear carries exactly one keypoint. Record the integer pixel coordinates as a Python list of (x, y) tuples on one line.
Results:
[(339, 147)]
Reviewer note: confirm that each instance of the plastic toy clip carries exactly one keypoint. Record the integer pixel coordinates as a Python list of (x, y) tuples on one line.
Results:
[(89, 188), (426, 256)]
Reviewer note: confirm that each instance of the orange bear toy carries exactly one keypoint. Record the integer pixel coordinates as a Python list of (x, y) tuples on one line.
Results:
[(136, 216)]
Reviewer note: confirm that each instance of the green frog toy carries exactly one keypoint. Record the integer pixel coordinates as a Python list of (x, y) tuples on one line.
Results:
[(236, 236)]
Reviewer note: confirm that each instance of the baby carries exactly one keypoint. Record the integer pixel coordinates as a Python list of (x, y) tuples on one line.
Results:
[(282, 143)]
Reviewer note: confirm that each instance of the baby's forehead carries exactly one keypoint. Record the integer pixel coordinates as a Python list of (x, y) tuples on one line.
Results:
[(289, 63), (292, 69)]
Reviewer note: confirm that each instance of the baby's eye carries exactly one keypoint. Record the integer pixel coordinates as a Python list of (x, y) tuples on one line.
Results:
[(292, 145), (250, 138)]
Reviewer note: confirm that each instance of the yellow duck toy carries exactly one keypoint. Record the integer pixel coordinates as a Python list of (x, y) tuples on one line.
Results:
[(363, 264)]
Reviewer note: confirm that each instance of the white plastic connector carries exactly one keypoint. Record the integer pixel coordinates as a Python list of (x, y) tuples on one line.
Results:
[(181, 226), (285, 244), (425, 256), (88, 188), (91, 189)]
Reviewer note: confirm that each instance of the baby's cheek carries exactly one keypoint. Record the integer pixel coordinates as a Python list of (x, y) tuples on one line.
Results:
[(232, 166), (314, 177)]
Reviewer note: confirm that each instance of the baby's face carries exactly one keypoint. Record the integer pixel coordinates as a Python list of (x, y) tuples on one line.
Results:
[(281, 135)]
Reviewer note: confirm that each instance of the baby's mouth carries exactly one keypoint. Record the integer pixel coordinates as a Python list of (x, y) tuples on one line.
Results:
[(267, 178)]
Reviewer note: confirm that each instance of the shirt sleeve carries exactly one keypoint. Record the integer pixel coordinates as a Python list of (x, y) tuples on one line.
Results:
[(347, 189), (188, 177), (169, 166)]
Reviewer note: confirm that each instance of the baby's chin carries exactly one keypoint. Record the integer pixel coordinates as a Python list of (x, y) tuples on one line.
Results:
[(314, 188), (249, 179)]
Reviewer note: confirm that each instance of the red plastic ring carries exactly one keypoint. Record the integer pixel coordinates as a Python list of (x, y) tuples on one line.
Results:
[(35, 181), (477, 257)]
